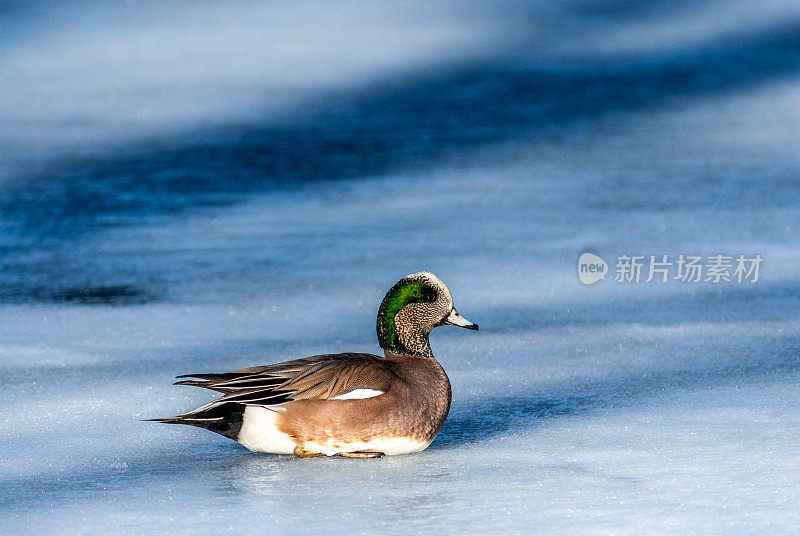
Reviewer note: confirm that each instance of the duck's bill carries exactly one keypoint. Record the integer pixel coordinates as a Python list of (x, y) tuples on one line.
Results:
[(455, 319)]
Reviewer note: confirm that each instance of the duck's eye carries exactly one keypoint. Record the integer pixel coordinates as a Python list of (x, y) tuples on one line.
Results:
[(428, 295)]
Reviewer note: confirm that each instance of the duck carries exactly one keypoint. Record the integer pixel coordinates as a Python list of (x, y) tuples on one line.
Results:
[(353, 405)]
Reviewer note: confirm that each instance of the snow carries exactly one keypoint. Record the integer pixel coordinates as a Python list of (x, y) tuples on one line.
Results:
[(612, 408)]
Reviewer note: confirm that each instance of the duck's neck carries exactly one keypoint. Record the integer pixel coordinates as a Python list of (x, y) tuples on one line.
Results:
[(418, 346), (408, 343), (400, 335)]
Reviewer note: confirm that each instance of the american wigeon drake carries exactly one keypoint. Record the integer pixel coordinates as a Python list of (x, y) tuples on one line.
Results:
[(352, 404)]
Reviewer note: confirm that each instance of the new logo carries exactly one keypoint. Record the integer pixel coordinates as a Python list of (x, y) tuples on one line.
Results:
[(591, 268)]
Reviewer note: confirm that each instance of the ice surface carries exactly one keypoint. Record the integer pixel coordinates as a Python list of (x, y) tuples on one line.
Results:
[(604, 409)]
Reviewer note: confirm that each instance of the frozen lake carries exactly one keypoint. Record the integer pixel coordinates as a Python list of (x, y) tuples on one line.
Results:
[(198, 190)]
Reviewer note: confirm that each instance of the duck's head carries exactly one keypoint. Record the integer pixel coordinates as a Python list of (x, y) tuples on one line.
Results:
[(411, 309)]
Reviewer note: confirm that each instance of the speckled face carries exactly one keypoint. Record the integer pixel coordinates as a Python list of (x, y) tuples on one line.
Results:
[(410, 310)]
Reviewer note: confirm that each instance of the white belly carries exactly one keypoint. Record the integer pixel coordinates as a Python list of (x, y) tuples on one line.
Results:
[(386, 445), (259, 433)]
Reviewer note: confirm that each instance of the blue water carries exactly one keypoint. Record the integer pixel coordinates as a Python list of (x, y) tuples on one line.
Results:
[(208, 188)]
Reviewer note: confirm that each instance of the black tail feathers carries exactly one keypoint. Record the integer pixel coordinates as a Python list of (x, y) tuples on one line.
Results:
[(225, 419)]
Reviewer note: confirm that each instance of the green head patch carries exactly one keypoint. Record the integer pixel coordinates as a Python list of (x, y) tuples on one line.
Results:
[(399, 296)]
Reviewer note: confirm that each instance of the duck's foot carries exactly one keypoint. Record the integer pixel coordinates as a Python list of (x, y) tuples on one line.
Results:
[(300, 452), (360, 454)]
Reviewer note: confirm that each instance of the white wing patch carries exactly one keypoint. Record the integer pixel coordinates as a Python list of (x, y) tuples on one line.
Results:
[(358, 393)]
